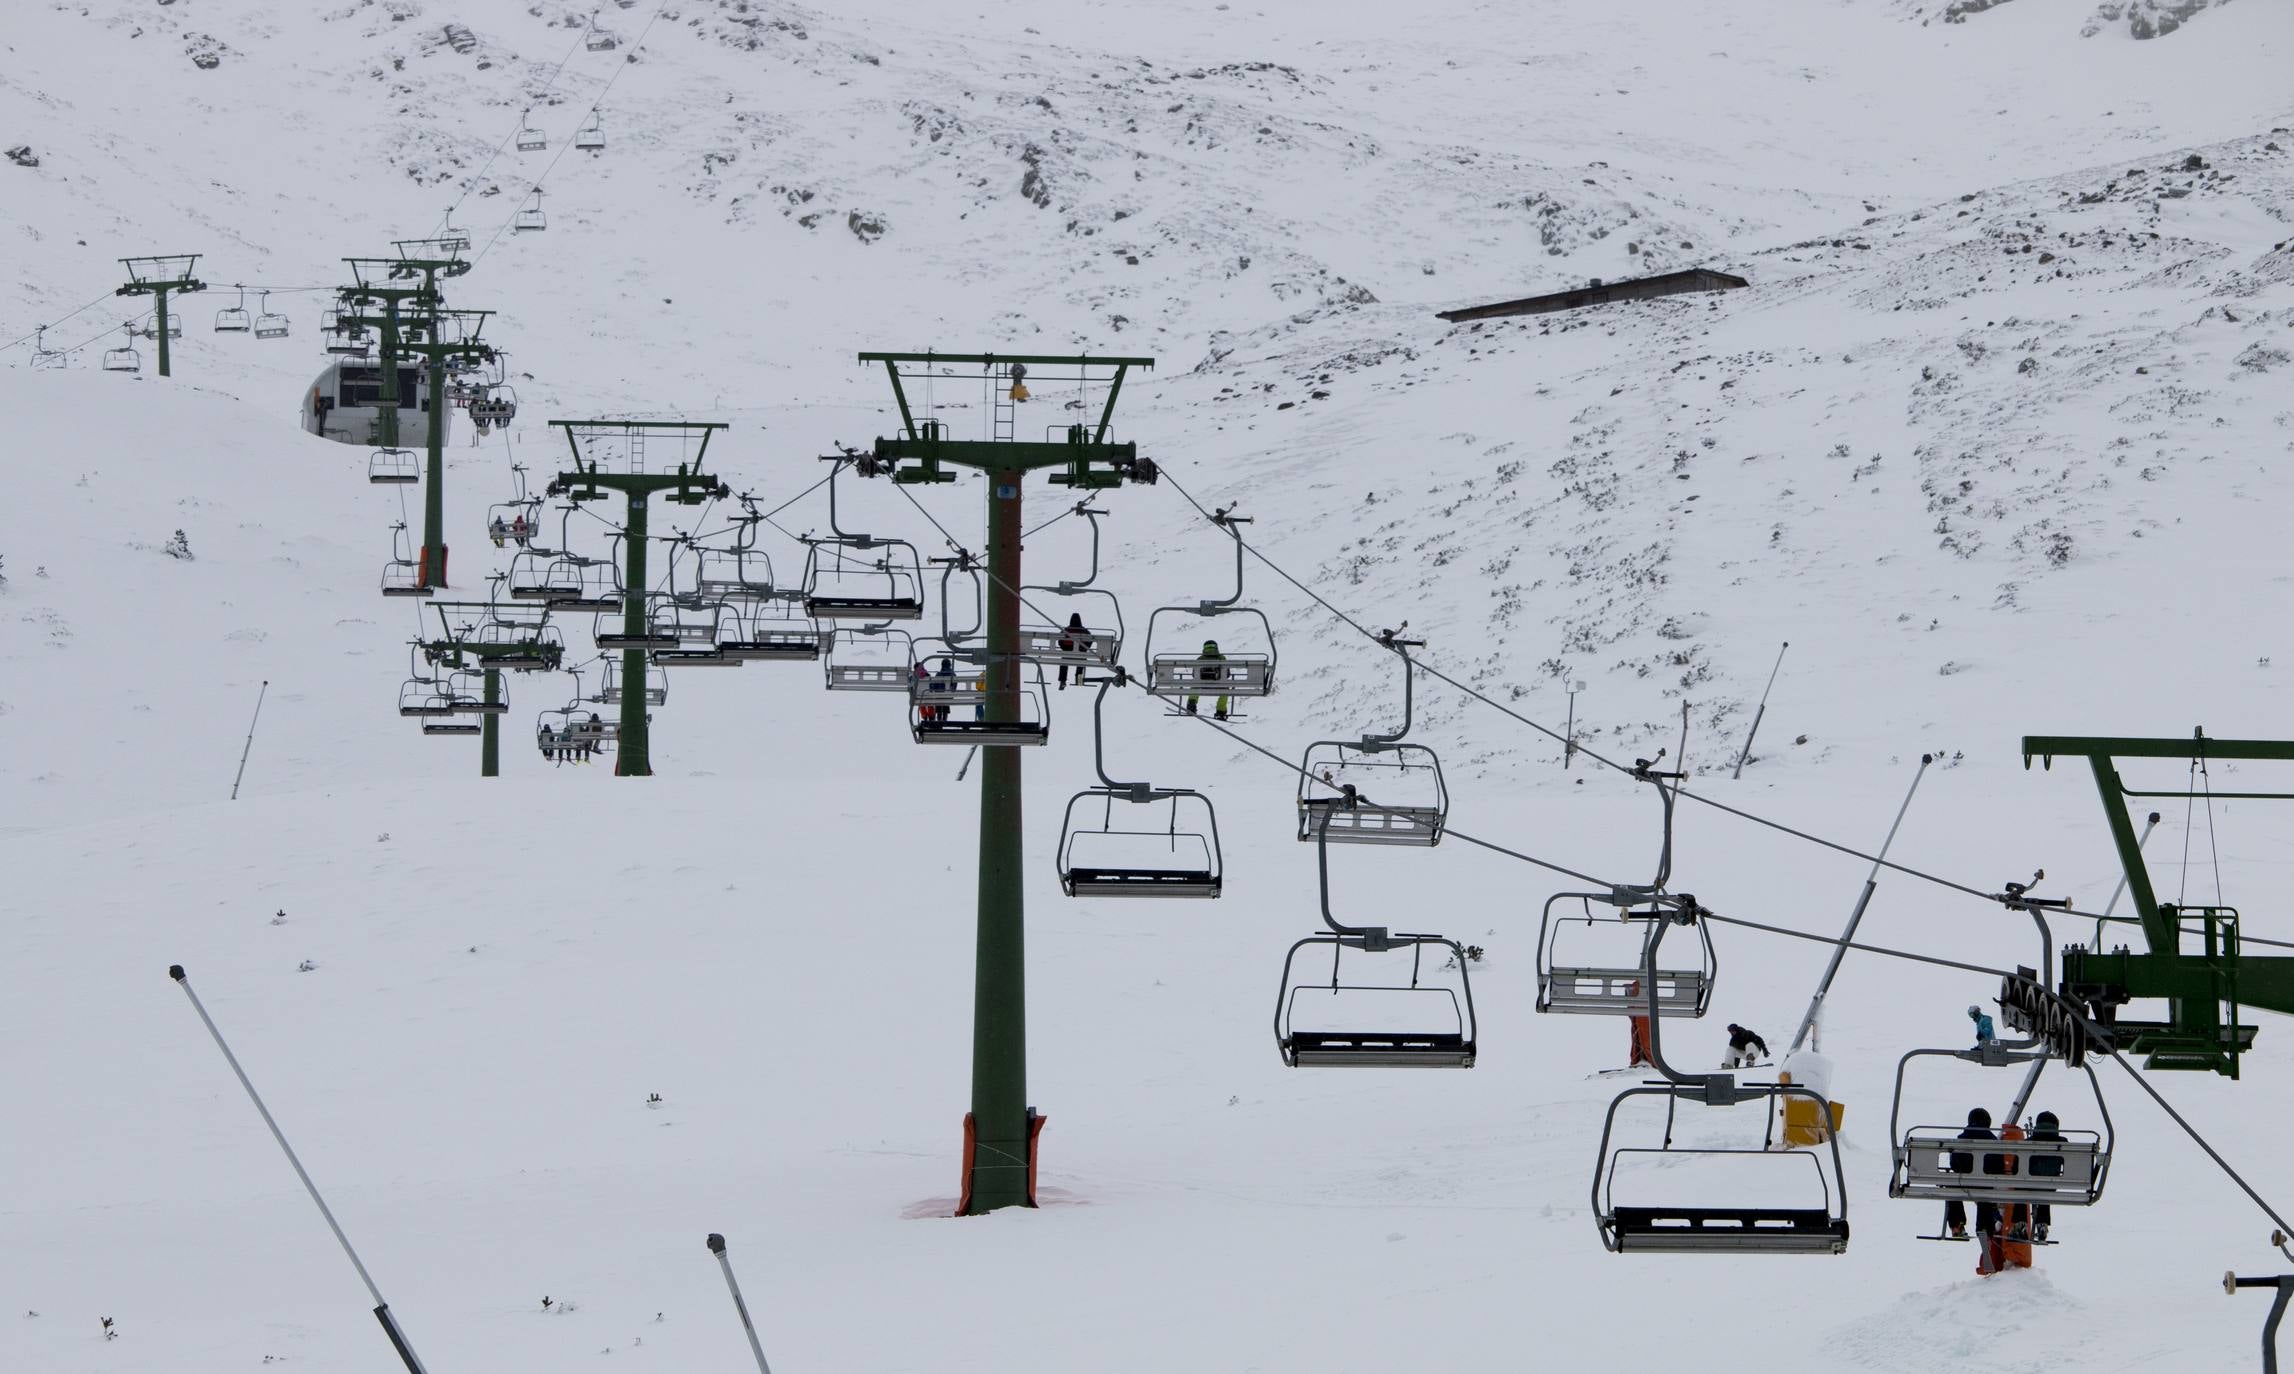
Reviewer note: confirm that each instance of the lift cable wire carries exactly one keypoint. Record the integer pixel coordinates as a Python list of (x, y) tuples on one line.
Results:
[(13, 343), (478, 177), (628, 60), (1706, 913), (1555, 735)]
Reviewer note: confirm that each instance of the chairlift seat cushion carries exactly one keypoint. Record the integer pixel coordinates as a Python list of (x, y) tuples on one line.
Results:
[(1378, 1050), (1140, 882), (864, 608), (695, 658), (1728, 1230), (451, 727), (614, 639)]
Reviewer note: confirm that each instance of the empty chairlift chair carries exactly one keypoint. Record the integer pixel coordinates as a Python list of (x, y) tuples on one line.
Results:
[(44, 357), (1128, 839), (235, 319), (1389, 1000), (1687, 1195), (875, 580), (531, 139), (599, 40), (656, 629), (868, 658), (269, 325), (654, 685), (402, 575), (1573, 978), (697, 626), (530, 219), (1413, 805), (590, 137), (393, 467), (124, 358), (773, 629), (578, 583)]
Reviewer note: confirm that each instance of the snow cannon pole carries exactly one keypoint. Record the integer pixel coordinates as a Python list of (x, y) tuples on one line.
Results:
[(250, 745), (717, 1248), (2121, 890), (1746, 752), (381, 1308), (1856, 917)]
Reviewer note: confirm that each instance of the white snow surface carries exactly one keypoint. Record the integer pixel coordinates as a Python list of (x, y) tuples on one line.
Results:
[(1989, 439)]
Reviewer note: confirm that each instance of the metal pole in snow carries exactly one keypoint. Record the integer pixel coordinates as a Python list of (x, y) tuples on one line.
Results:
[(1856, 917), (717, 1248), (266, 687), (1746, 752), (2121, 889), (381, 1308)]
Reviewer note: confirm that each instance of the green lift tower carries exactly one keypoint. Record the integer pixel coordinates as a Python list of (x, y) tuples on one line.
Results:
[(2192, 961), (637, 459), (160, 277), (492, 637), (1000, 1131)]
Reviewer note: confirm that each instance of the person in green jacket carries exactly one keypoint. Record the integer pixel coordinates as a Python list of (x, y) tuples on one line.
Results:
[(1211, 668)]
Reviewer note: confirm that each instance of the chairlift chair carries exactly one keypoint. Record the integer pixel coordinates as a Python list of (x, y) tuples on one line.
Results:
[(1413, 804), (868, 658), (695, 625), (348, 342), (953, 707), (1568, 983), (1933, 1163), (1387, 1008), (1813, 1222), (1166, 843), (174, 327), (590, 137), (1180, 673), (235, 319), (466, 688), (531, 139), (497, 406), (573, 728), (770, 630), (1098, 644), (124, 358), (519, 520), (733, 574), (880, 580), (578, 583), (611, 629), (269, 325), (533, 578), (44, 356), (420, 697), (393, 467), (402, 575), (655, 684), (599, 40), (530, 220)]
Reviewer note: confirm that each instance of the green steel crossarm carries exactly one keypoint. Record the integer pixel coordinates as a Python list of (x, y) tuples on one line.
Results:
[(1107, 412), (1031, 359), (992, 454), (2046, 747), (900, 394)]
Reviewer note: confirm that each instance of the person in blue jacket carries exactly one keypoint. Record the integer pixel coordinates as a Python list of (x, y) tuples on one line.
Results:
[(1985, 1033)]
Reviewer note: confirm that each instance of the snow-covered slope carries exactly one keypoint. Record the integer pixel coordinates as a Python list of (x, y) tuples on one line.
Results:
[(1994, 438)]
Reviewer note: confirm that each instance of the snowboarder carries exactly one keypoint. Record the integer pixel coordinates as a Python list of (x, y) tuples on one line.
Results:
[(497, 531), (1741, 1054), (1072, 639), (1212, 669), (1963, 1162), (943, 682), (592, 736), (1984, 1032)]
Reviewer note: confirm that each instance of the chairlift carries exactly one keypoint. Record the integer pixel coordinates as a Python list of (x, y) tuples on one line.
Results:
[(867, 658), (531, 139), (1413, 804), (950, 701), (348, 341), (876, 580), (521, 645), (393, 467), (402, 575), (1166, 843), (44, 356), (733, 574), (420, 697), (695, 624), (1934, 1163), (124, 358), (466, 688), (590, 137), (1214, 670), (576, 583), (1383, 1005), (515, 521), (612, 629), (534, 576), (1772, 1207), (268, 324), (654, 684), (599, 40), (1569, 983), (174, 327), (235, 319), (575, 729), (530, 220), (771, 629), (1099, 640), (497, 405)]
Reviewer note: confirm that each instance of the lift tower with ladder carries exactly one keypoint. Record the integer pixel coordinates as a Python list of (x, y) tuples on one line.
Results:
[(1000, 1130), (160, 277), (414, 323), (612, 456)]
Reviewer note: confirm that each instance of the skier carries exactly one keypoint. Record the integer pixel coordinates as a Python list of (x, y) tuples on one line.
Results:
[(1213, 669), (1072, 639), (497, 531), (2044, 1127), (1741, 1054), (1984, 1032), (591, 737), (1640, 1026), (521, 532), (1963, 1162), (943, 681)]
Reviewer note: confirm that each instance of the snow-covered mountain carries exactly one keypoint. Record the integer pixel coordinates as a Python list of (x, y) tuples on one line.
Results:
[(1992, 437)]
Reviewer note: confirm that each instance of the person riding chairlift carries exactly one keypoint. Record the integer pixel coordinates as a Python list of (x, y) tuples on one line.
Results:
[(1213, 669), (497, 531), (521, 532), (943, 681), (1072, 638), (1963, 1162)]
